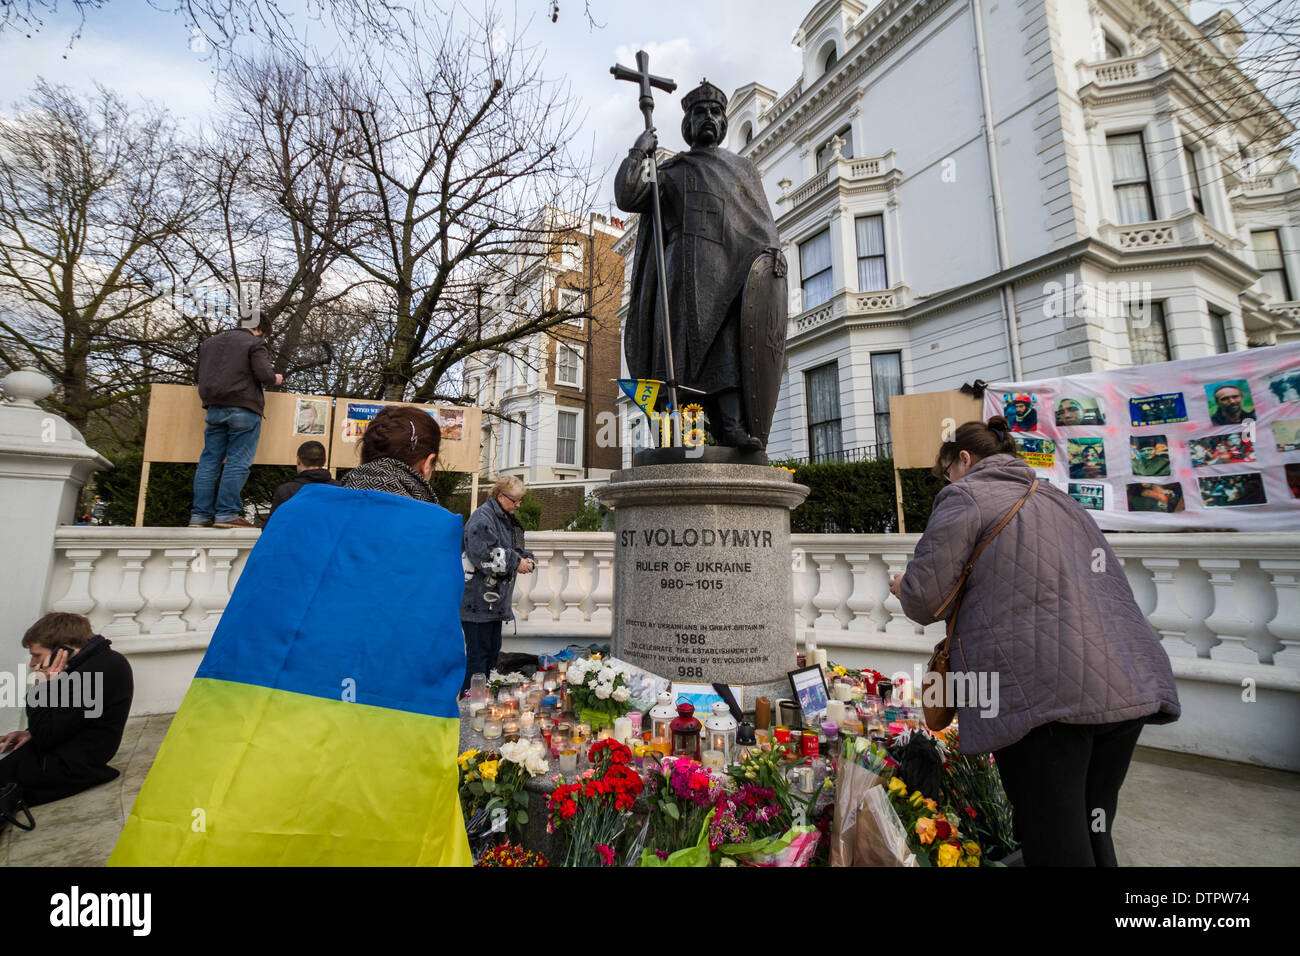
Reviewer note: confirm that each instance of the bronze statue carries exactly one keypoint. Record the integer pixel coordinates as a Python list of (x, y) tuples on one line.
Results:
[(726, 286)]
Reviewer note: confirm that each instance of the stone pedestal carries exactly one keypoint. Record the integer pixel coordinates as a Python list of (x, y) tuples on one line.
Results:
[(43, 465), (702, 580)]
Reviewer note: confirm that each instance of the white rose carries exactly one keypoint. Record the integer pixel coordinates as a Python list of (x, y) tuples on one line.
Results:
[(620, 694), (603, 691), (514, 752), (536, 764)]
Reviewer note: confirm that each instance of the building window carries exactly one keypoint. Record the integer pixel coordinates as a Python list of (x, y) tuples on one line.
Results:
[(815, 268), (832, 58), (566, 439), (846, 151), (749, 134), (872, 274), (1113, 50), (1148, 335), (823, 385), (523, 437), (1219, 329), (886, 380), (1194, 180), (568, 365), (1268, 260), (572, 300), (1129, 176)]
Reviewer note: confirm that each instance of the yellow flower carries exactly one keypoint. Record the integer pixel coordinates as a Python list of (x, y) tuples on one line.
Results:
[(896, 786), (488, 770), (949, 855), (931, 805), (972, 848), (466, 757), (925, 829), (839, 671), (916, 799)]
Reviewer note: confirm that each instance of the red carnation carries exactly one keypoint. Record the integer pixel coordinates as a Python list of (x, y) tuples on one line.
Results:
[(606, 854), (970, 812)]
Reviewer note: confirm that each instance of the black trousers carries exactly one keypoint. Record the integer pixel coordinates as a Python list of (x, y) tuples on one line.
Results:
[(482, 648), (1063, 782)]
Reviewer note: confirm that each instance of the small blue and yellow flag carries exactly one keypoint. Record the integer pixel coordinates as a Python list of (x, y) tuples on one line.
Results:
[(642, 391), (322, 726)]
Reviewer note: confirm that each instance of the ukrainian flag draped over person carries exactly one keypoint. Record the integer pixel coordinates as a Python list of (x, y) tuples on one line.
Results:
[(322, 727)]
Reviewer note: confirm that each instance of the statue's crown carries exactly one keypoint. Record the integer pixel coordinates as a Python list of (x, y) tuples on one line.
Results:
[(706, 92)]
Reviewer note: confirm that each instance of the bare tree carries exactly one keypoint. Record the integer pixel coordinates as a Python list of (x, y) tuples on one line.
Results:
[(461, 159), (218, 26), (90, 192)]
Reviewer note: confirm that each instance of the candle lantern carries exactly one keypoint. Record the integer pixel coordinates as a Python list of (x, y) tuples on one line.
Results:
[(661, 717), (685, 731), (720, 733)]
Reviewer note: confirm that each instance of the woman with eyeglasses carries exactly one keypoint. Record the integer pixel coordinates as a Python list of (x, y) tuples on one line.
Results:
[(494, 545), (1047, 619)]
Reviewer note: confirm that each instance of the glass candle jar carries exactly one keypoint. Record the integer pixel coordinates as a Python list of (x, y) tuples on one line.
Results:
[(492, 728), (510, 731), (568, 761)]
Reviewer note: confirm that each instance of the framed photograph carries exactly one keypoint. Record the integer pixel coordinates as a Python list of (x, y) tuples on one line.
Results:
[(703, 697), (310, 416), (810, 690)]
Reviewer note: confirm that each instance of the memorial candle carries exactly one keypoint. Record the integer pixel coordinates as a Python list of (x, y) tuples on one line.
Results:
[(622, 729)]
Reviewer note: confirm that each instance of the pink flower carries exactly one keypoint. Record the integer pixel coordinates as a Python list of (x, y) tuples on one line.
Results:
[(606, 854)]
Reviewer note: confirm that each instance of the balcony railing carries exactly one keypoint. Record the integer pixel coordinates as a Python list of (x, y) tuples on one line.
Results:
[(839, 171), (849, 304), (1124, 69), (1189, 229)]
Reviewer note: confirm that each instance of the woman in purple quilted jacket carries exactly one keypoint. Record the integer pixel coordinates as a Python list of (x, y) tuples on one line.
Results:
[(1049, 620)]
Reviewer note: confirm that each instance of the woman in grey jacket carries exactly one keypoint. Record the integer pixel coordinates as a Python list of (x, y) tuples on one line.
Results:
[(1048, 621), (494, 544)]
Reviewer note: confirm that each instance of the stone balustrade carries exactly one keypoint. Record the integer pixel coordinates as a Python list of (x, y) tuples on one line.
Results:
[(840, 172), (1226, 607), (1189, 229)]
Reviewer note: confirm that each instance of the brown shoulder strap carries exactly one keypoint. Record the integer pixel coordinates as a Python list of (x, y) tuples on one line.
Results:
[(965, 572)]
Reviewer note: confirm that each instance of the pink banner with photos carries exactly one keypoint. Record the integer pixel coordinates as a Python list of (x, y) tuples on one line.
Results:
[(1209, 442)]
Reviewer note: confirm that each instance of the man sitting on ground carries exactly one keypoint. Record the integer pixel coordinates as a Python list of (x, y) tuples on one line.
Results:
[(75, 713), (311, 471)]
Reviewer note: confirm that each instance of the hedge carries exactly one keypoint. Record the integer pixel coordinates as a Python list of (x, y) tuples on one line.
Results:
[(858, 497)]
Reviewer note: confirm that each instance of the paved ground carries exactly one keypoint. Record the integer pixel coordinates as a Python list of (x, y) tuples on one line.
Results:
[(1174, 810)]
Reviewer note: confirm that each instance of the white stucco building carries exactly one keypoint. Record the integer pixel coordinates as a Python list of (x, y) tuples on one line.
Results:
[(1131, 200)]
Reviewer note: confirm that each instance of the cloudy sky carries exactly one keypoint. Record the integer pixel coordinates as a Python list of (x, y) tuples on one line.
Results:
[(140, 52)]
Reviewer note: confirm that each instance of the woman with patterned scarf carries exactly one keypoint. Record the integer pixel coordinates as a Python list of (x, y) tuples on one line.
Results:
[(397, 454)]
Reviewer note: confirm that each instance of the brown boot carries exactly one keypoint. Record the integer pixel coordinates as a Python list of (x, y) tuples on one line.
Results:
[(234, 523)]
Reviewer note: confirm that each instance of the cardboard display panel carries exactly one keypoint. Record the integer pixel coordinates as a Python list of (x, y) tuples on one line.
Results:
[(175, 429), (917, 423), (460, 426)]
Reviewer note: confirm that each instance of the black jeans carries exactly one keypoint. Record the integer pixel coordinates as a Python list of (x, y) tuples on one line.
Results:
[(1063, 782), (482, 648)]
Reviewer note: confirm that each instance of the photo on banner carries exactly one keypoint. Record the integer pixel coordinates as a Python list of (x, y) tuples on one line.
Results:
[(1150, 455), (1293, 479), (310, 416), (1286, 434), (1037, 452), (1230, 402), (1020, 409), (1090, 496), (357, 416), (451, 422), (1157, 409), (1079, 411), (1228, 449), (1150, 496), (1229, 491), (1087, 457), (1285, 387)]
